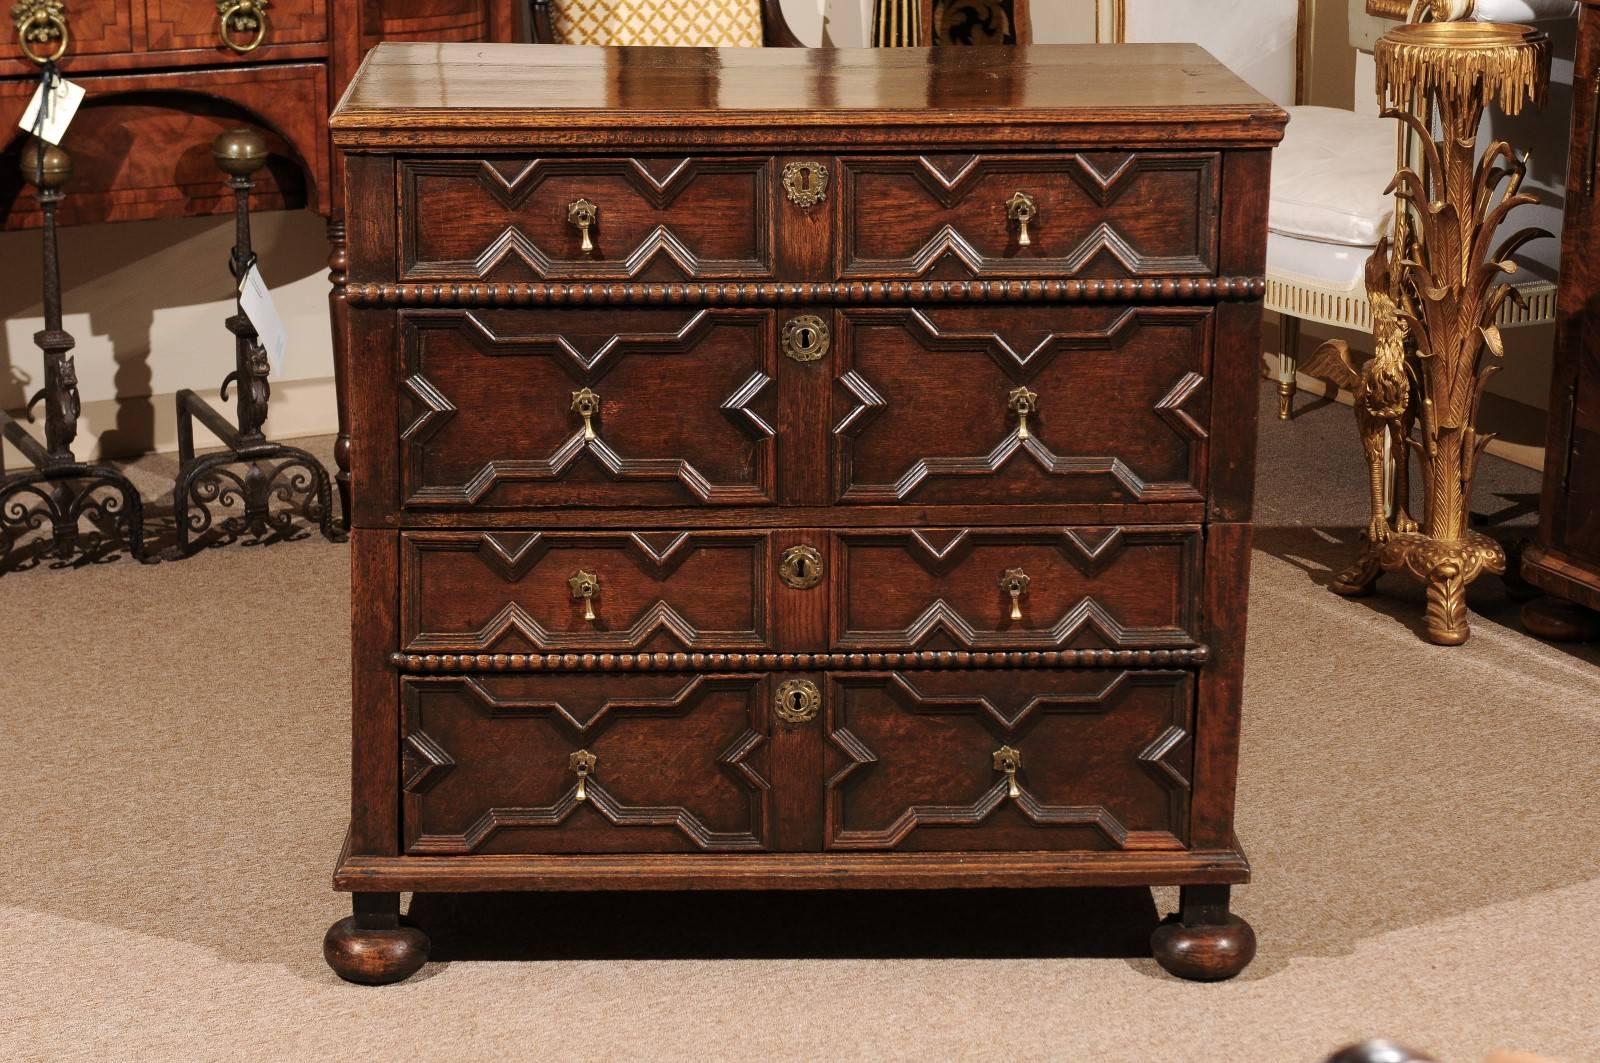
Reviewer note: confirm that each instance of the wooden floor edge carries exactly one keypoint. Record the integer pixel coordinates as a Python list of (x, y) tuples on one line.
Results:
[(795, 871)]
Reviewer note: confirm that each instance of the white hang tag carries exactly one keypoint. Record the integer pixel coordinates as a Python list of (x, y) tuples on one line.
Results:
[(255, 301), (58, 107)]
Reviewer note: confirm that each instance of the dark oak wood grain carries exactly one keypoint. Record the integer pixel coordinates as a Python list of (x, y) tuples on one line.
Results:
[(912, 555), (1565, 561)]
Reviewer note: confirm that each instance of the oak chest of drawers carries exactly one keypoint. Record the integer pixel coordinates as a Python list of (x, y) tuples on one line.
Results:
[(800, 469)]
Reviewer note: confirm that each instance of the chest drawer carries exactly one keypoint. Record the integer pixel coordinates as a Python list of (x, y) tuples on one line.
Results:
[(1012, 761), (1095, 215), (669, 763), (561, 592), (171, 25), (636, 219), (506, 409), (985, 405), (1016, 589)]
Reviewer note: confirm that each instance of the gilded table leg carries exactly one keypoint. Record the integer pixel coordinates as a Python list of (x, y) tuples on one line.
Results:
[(1288, 364)]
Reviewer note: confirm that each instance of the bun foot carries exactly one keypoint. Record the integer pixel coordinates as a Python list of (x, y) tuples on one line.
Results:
[(1204, 953), (1560, 621), (374, 957)]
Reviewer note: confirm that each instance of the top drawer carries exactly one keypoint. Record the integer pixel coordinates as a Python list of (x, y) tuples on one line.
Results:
[(579, 219), (1095, 215)]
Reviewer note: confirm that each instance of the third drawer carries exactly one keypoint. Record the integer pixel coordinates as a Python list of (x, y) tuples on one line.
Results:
[(918, 591)]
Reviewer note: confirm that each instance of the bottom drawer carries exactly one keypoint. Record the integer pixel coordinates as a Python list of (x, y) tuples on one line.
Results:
[(1009, 761), (491, 763), (1026, 760)]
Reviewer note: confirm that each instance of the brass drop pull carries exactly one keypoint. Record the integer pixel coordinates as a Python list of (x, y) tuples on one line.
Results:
[(1015, 583), (41, 22), (586, 404), (1009, 760), (242, 24), (583, 214), (585, 585), (1023, 403), (1022, 209), (582, 764)]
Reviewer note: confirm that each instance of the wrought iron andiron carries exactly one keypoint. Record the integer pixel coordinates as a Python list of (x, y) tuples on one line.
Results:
[(275, 472), (60, 490)]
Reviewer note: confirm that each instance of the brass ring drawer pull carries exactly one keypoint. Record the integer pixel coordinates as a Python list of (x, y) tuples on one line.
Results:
[(586, 404), (583, 214), (1023, 403), (1022, 209), (242, 24), (1015, 583), (585, 585), (38, 23), (1009, 761), (582, 765)]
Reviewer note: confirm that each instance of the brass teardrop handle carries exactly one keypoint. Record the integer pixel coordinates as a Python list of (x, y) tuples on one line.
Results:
[(585, 585), (242, 24), (1015, 583), (1009, 761), (39, 22), (586, 404), (1023, 403), (583, 214), (1022, 209), (582, 764)]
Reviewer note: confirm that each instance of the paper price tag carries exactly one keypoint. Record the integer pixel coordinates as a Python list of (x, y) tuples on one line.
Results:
[(256, 303), (51, 111)]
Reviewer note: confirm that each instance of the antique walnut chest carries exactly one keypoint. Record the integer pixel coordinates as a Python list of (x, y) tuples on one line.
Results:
[(800, 469)]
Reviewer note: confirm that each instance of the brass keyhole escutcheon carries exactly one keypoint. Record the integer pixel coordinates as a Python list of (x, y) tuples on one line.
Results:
[(584, 214), (1015, 583), (798, 701), (582, 765), (1009, 761), (805, 183), (585, 585), (1022, 209), (801, 567), (1023, 403), (806, 338)]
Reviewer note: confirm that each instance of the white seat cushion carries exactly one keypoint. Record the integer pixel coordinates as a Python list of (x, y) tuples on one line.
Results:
[(1523, 10), (1328, 177)]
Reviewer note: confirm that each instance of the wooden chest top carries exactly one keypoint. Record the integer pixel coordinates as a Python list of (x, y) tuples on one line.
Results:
[(444, 95)]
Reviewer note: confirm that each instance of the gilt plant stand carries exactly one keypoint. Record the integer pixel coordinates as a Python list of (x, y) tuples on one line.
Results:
[(59, 490), (1450, 290)]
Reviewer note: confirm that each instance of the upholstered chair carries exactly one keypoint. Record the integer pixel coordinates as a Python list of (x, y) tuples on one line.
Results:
[(1328, 208), (702, 23)]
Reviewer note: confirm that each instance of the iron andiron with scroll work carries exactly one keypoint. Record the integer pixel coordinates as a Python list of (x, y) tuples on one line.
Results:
[(274, 471), (59, 490)]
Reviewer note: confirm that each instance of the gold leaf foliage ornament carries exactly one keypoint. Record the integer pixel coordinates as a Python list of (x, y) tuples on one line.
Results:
[(1439, 297)]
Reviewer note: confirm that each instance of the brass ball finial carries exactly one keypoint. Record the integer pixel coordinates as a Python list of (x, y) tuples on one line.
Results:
[(239, 151), (57, 168)]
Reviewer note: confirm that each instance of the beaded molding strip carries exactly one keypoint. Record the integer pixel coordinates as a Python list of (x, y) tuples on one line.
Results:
[(1149, 289), (784, 662)]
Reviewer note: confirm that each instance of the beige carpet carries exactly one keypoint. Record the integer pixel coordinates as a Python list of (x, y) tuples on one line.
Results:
[(173, 742)]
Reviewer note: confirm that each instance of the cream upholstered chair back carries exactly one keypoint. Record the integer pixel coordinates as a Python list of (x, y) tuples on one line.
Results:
[(701, 23)]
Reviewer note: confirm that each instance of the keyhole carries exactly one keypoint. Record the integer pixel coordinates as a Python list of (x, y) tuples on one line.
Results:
[(808, 339), (797, 701), (805, 180), (800, 567)]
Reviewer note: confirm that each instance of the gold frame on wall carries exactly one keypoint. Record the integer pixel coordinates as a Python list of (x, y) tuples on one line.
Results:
[(1110, 21)]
